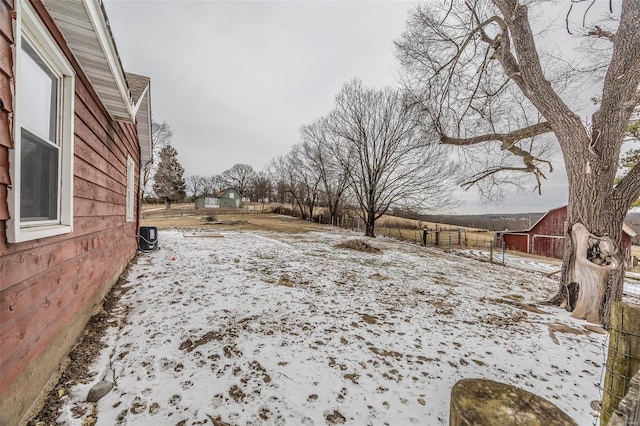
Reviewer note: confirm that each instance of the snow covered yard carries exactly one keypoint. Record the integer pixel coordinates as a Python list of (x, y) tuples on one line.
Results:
[(268, 328)]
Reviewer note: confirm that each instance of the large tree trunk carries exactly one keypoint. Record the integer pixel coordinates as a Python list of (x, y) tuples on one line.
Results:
[(593, 263)]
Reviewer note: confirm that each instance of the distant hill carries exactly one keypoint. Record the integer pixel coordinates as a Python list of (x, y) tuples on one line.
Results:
[(512, 222), (492, 222), (502, 221)]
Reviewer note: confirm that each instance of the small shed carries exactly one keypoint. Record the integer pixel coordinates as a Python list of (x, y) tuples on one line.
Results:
[(229, 197), (546, 236)]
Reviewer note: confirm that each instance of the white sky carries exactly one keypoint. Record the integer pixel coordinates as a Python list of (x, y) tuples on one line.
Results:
[(236, 80)]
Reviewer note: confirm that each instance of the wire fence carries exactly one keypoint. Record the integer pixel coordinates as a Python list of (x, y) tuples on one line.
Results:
[(433, 235)]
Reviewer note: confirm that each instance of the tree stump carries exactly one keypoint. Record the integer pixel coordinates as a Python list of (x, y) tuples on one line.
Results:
[(485, 402), (623, 358)]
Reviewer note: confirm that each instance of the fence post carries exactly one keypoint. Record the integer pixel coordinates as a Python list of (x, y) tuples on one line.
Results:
[(459, 236), (491, 252), (628, 412), (623, 358), (437, 242)]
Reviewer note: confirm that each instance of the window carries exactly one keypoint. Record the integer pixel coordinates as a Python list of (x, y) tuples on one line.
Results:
[(130, 184), (40, 199), (232, 195)]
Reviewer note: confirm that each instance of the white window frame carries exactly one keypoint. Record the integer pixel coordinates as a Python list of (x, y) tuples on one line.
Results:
[(29, 26), (131, 167)]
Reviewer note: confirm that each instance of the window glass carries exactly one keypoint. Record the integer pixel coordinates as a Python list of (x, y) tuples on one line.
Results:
[(37, 91), (130, 184), (38, 179)]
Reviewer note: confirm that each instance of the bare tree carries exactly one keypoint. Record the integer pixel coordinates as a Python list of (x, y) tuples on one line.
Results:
[(287, 171), (160, 137), (388, 158), (212, 185), (262, 187), (239, 177), (308, 179), (480, 80), (196, 185), (317, 143)]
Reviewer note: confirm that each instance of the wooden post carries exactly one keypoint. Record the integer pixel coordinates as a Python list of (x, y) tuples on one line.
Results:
[(628, 412), (437, 242), (485, 402), (459, 236), (491, 252), (623, 358)]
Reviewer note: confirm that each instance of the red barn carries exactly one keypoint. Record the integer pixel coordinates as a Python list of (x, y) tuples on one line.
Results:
[(74, 132), (546, 236)]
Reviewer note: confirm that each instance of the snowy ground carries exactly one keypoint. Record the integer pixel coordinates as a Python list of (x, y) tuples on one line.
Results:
[(264, 328), (547, 266)]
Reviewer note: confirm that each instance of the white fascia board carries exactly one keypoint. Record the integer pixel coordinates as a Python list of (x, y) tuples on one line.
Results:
[(141, 99), (94, 10)]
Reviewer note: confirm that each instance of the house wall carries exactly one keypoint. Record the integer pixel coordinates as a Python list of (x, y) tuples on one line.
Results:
[(227, 201), (51, 287), (6, 74)]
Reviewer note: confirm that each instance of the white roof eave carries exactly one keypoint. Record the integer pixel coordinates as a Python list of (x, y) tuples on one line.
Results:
[(88, 35)]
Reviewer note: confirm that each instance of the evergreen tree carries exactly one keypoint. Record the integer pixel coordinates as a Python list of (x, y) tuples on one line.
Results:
[(169, 183)]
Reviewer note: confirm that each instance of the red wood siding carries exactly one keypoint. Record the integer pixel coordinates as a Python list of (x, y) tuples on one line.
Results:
[(543, 245), (48, 285), (6, 102), (516, 242), (552, 223), (546, 237)]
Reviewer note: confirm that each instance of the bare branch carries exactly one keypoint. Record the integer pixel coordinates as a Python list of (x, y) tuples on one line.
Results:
[(600, 33), (506, 138)]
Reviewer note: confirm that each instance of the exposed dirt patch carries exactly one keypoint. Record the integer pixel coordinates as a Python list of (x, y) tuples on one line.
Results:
[(75, 368), (369, 319), (358, 245), (236, 393), (563, 328), (524, 306), (285, 281), (189, 345), (335, 418)]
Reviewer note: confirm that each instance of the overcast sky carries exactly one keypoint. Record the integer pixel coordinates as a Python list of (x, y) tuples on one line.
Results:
[(235, 80)]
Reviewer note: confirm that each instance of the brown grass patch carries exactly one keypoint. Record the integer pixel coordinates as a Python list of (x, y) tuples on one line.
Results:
[(247, 222), (285, 281), (358, 245), (369, 319)]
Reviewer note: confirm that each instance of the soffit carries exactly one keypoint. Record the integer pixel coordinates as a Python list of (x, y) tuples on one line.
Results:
[(86, 29)]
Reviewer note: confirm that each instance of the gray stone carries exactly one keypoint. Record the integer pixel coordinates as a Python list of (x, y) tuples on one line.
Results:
[(99, 390)]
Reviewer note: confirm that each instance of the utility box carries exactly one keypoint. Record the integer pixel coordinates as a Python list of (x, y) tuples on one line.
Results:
[(148, 238)]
